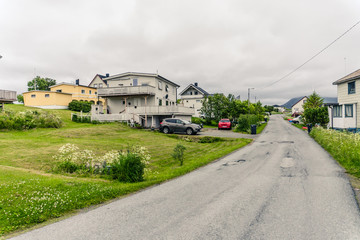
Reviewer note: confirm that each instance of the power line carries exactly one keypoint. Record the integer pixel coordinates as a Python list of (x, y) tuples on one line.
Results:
[(317, 54)]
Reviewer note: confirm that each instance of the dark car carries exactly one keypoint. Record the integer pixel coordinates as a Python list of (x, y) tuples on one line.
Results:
[(224, 124), (175, 125)]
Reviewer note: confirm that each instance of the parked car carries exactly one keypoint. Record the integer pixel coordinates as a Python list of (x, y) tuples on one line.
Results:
[(224, 124), (175, 125), (298, 119)]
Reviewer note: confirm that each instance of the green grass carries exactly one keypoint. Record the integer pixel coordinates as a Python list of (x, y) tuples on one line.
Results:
[(29, 194), (344, 147)]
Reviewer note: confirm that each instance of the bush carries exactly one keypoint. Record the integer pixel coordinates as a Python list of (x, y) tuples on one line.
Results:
[(208, 139), (197, 120), (178, 153), (79, 106), (128, 168), (245, 121), (316, 115), (28, 120)]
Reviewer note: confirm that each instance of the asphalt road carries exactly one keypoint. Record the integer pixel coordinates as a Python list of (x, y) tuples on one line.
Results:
[(282, 186)]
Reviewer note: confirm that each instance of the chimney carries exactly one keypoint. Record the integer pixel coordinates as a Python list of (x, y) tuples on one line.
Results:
[(77, 81), (196, 84), (107, 75)]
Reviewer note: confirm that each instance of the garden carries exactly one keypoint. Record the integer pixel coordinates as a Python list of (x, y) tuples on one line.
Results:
[(48, 173)]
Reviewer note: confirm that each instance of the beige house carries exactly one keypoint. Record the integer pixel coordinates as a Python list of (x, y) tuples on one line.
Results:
[(193, 96), (60, 95), (144, 98), (298, 106), (345, 114)]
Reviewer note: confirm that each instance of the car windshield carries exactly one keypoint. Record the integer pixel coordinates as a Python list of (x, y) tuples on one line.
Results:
[(186, 122), (225, 120)]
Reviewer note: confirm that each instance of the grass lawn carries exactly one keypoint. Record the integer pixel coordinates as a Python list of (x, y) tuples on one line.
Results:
[(31, 194)]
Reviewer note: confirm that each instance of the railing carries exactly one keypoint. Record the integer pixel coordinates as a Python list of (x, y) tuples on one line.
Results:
[(7, 96), (126, 91), (161, 110)]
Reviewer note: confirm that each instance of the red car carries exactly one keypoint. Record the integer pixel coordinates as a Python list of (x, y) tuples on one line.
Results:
[(224, 124)]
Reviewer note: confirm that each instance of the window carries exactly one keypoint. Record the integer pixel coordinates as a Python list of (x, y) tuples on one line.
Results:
[(59, 90), (135, 82), (196, 93), (351, 88), (190, 93), (95, 85), (348, 110), (33, 95), (338, 111), (124, 102), (100, 85), (160, 102), (47, 95), (83, 91), (89, 91), (167, 103), (166, 88), (160, 85), (198, 100), (95, 92), (178, 121)]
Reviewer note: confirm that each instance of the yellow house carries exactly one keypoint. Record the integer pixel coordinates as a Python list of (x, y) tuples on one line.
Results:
[(60, 95)]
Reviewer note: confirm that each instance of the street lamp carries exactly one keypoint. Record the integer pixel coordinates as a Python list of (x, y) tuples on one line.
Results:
[(249, 94)]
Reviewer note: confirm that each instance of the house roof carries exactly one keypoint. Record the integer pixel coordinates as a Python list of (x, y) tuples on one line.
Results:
[(100, 76), (43, 91), (69, 84), (139, 74), (352, 76), (292, 102), (196, 87)]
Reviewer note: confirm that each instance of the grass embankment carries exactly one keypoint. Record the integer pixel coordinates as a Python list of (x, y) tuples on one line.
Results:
[(30, 194), (344, 147)]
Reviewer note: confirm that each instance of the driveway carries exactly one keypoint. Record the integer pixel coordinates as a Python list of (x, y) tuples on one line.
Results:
[(281, 186)]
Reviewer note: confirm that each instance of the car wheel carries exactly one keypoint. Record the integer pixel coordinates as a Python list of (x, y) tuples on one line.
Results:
[(166, 130), (219, 128), (189, 131)]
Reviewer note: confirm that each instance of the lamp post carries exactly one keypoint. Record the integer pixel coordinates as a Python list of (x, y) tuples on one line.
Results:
[(249, 98)]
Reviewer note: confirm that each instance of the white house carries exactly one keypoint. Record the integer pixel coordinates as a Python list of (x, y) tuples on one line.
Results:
[(144, 98), (193, 96), (297, 107), (345, 114)]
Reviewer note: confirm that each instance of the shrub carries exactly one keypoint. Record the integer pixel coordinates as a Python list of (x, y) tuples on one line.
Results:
[(245, 121), (28, 120), (128, 168), (318, 115), (178, 153), (208, 139), (79, 106)]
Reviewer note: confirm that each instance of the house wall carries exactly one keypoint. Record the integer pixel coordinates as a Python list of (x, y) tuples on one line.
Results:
[(344, 122), (345, 98), (298, 107), (54, 99), (76, 91), (193, 98)]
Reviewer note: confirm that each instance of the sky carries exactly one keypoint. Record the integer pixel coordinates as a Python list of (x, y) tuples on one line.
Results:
[(226, 46)]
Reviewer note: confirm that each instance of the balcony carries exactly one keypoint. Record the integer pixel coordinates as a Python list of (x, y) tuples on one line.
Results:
[(7, 96), (161, 110), (126, 91)]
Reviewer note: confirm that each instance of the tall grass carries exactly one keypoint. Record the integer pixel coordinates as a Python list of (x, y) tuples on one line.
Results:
[(343, 146)]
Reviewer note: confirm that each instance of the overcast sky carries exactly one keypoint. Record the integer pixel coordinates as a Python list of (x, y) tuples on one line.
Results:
[(226, 46)]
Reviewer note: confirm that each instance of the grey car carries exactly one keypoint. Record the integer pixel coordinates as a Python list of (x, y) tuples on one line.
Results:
[(175, 125)]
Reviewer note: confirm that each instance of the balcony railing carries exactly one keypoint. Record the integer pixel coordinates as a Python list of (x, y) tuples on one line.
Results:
[(161, 110), (7, 96), (126, 91)]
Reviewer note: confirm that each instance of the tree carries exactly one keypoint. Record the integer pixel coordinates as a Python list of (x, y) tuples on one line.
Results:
[(20, 98), (39, 83), (314, 113), (314, 101)]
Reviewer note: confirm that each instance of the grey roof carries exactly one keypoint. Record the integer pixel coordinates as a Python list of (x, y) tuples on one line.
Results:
[(350, 77), (139, 74), (197, 88), (293, 101)]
